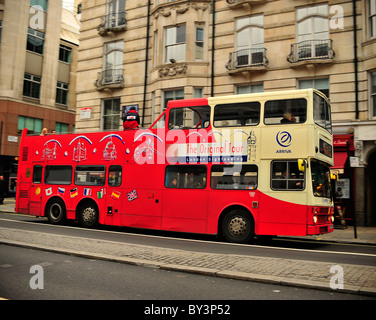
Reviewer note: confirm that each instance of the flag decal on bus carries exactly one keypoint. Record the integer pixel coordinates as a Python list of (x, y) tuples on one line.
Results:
[(115, 194), (73, 193), (49, 191), (101, 193), (132, 195), (87, 192)]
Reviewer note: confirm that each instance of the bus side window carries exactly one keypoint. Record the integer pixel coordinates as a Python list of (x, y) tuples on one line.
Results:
[(288, 111), (37, 174), (185, 176), (58, 175), (194, 117), (90, 175), (237, 114), (285, 175), (233, 177), (114, 176)]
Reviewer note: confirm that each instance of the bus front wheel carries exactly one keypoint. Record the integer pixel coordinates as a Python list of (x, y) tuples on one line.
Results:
[(237, 226), (88, 215)]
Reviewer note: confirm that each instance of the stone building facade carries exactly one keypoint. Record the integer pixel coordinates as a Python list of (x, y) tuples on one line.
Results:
[(38, 61), (145, 53)]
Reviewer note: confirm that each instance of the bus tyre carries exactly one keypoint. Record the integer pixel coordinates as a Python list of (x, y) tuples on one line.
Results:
[(88, 215), (237, 226), (55, 211)]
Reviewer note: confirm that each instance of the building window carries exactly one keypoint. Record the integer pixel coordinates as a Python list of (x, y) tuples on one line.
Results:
[(312, 31), (111, 114), (61, 127), (198, 92), (155, 49), (249, 40), (175, 45), (1, 28), (319, 84), (35, 41), (113, 62), (31, 86), (373, 93), (62, 93), (116, 13), (372, 18), (41, 3), (172, 95), (199, 44), (254, 88), (65, 53), (33, 125)]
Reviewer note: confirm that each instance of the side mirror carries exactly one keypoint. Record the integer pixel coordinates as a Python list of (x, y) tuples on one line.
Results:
[(301, 165)]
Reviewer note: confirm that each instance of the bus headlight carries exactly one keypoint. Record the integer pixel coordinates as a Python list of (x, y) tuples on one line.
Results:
[(314, 219), (332, 218)]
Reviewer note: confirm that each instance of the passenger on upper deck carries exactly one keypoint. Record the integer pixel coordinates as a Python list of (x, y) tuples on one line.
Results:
[(288, 118), (132, 119)]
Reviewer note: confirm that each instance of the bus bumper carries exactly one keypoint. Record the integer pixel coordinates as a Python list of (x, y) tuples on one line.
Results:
[(320, 229)]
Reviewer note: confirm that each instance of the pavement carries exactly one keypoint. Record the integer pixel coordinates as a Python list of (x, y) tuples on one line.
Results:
[(357, 279)]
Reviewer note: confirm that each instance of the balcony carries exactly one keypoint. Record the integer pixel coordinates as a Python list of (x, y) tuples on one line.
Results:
[(247, 60), (311, 51), (113, 22), (110, 79), (236, 3)]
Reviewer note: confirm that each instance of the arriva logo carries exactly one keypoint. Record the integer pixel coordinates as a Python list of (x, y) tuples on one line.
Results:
[(284, 138)]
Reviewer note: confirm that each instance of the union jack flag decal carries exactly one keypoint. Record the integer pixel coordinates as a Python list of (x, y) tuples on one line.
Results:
[(132, 195)]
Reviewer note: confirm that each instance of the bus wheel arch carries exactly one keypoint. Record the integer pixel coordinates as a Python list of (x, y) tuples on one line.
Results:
[(236, 224), (87, 213), (55, 210)]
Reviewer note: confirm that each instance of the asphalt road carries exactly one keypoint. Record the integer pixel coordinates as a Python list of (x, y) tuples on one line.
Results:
[(335, 253), (65, 277)]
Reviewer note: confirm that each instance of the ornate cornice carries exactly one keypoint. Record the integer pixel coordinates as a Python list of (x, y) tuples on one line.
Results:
[(180, 7), (172, 70)]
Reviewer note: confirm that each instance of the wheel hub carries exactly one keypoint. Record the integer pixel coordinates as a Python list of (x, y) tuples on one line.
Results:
[(238, 226), (88, 214), (55, 211)]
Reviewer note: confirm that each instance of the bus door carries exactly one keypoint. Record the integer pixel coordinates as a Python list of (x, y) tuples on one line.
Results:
[(283, 210), (113, 195), (142, 196), (185, 200), (36, 191)]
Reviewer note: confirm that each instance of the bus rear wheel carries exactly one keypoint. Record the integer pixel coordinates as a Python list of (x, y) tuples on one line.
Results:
[(55, 211), (237, 226), (88, 215)]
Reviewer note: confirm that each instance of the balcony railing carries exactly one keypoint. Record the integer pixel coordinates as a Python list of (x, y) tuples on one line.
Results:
[(236, 2), (110, 78), (311, 50), (113, 22), (247, 58)]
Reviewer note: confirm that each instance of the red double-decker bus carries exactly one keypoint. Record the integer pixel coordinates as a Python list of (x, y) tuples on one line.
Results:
[(236, 166)]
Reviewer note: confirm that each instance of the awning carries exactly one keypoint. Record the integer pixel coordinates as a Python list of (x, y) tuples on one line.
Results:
[(339, 160)]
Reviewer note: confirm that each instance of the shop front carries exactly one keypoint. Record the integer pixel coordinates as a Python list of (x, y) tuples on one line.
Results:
[(344, 189)]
